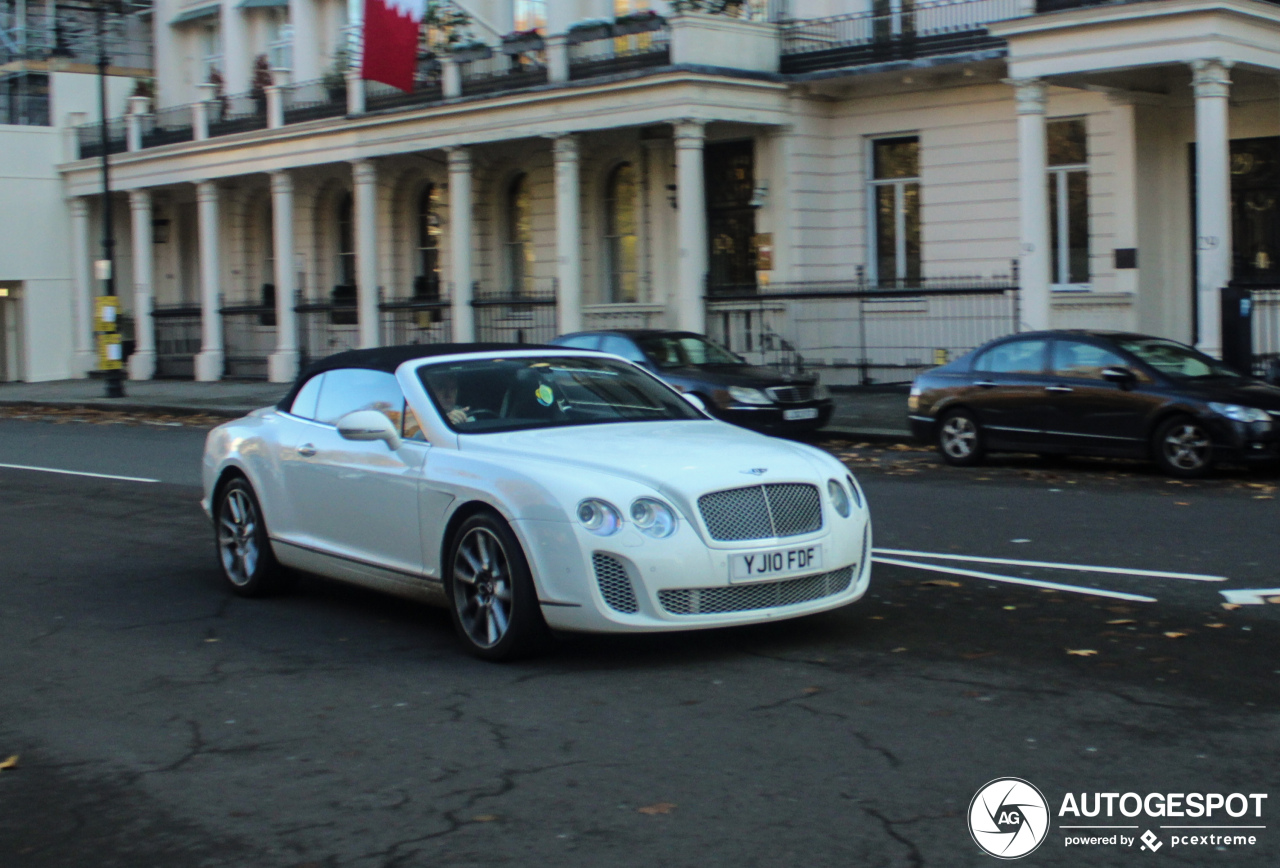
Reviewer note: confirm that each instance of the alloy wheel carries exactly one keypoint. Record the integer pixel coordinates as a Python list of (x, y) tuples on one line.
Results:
[(1186, 446), (238, 536), (482, 592), (959, 437)]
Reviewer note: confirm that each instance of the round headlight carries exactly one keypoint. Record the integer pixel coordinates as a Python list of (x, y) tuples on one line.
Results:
[(839, 497), (653, 517), (856, 491), (599, 517), (745, 395)]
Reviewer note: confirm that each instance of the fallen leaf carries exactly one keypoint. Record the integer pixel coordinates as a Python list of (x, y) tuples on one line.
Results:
[(1182, 503), (1174, 634), (812, 690), (1231, 607), (659, 808), (1010, 608), (1216, 625), (978, 655), (484, 818), (899, 649), (1263, 497), (1081, 652), (941, 583), (876, 618), (11, 762), (1122, 621), (211, 640)]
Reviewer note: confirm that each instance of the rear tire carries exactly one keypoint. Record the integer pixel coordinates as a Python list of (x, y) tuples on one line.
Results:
[(492, 599), (960, 439), (244, 548), (1183, 448)]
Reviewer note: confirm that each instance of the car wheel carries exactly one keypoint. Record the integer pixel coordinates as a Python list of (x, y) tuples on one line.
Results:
[(960, 439), (244, 549), (1183, 448), (491, 595)]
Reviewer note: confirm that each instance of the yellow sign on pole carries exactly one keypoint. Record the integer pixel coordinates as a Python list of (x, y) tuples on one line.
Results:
[(941, 357), (110, 353), (106, 310)]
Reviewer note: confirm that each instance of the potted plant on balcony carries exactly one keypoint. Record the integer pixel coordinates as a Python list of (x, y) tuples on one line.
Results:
[(520, 41), (589, 30), (335, 77), (637, 22), (471, 49)]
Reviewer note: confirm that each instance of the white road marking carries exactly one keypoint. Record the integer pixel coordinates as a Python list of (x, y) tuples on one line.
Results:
[(1049, 565), (77, 473), (1250, 596), (1012, 580)]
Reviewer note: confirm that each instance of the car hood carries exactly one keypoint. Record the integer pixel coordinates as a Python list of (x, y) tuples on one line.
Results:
[(1250, 393), (679, 459), (724, 376)]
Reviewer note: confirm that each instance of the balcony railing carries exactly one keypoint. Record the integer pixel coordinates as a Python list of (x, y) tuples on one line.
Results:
[(89, 137), (238, 114), (312, 100), (614, 54), (914, 30), (504, 72), (427, 89), (167, 127), (71, 34)]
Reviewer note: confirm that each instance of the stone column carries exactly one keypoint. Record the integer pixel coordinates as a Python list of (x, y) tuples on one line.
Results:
[(1125, 188), (365, 174), (282, 365), (307, 44), (460, 212), (275, 106), (557, 58), (691, 221), (81, 276), (209, 362), (1035, 257), (237, 54), (355, 92), (142, 363), (138, 106), (1211, 81), (568, 234), (450, 77)]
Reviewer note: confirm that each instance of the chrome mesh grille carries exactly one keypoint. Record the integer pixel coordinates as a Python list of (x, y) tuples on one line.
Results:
[(614, 584), (790, 394), (762, 511), (761, 595)]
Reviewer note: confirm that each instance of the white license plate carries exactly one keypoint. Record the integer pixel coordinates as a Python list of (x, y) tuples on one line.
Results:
[(803, 413), (775, 564)]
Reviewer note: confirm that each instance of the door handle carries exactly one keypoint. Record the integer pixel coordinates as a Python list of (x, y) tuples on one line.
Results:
[(306, 450), (985, 384), (1058, 389)]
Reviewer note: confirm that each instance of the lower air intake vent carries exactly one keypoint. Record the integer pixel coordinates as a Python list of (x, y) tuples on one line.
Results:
[(614, 584), (762, 595)]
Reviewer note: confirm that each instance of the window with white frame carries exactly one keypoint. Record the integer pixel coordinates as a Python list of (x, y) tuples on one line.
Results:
[(1069, 203), (279, 39), (210, 52), (518, 236), (620, 243), (894, 188), (530, 14)]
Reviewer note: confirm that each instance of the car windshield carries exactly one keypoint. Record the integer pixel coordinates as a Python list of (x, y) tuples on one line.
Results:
[(1176, 360), (490, 395), (683, 351)]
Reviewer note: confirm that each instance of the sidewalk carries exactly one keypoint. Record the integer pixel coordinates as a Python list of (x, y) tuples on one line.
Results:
[(872, 414)]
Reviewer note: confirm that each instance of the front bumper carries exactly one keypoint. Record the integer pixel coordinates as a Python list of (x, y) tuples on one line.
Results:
[(1245, 441), (771, 419), (673, 582)]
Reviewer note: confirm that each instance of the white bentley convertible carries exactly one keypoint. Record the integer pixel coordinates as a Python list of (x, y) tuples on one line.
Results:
[(529, 489)]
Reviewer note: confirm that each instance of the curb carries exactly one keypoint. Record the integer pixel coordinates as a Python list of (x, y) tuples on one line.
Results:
[(128, 407)]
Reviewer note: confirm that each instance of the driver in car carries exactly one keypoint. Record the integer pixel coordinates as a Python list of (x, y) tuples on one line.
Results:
[(444, 387)]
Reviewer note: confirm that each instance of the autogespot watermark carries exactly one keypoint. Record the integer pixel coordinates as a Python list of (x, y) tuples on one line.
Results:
[(1010, 817)]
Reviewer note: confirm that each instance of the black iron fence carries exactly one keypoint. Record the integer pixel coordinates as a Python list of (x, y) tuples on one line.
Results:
[(416, 320), (913, 30), (238, 114), (515, 317), (504, 72), (248, 339), (167, 127), (382, 97), (614, 54), (89, 137), (861, 336), (312, 100), (178, 340), (326, 327)]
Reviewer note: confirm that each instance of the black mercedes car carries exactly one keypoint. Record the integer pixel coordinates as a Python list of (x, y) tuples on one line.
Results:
[(1096, 393), (731, 388)]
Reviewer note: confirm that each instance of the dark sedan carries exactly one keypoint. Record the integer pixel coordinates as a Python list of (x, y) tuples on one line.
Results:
[(1096, 393), (731, 388)]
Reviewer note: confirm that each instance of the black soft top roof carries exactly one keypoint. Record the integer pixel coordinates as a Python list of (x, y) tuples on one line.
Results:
[(389, 358)]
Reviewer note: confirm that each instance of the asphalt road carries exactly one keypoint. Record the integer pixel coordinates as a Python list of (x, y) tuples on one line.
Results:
[(160, 722)]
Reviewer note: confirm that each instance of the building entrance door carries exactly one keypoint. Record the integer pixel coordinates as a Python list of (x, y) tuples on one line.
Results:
[(1255, 217), (731, 221)]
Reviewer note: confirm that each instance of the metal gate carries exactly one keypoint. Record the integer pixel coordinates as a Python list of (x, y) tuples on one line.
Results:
[(178, 340), (248, 339), (515, 318), (416, 320), (325, 328)]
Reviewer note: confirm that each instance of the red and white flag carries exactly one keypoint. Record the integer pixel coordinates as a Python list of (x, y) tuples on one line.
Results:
[(391, 29)]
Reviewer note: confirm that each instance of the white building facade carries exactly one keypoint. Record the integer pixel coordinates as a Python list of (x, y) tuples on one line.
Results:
[(864, 184)]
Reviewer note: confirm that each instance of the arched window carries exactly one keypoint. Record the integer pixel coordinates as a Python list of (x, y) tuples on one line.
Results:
[(620, 234), (426, 282), (519, 236), (346, 243)]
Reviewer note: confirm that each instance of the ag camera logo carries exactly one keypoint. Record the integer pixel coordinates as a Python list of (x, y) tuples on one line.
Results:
[(1009, 818)]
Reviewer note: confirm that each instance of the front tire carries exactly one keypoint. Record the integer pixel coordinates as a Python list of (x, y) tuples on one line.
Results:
[(960, 439), (492, 599), (1183, 448), (244, 549)]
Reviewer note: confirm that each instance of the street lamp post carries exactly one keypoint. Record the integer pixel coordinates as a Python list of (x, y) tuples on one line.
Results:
[(113, 376)]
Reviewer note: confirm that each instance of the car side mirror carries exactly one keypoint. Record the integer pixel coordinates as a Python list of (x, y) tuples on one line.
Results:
[(363, 425), (1122, 377), (694, 400)]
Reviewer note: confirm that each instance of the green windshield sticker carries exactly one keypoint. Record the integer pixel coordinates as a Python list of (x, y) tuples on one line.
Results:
[(544, 396)]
